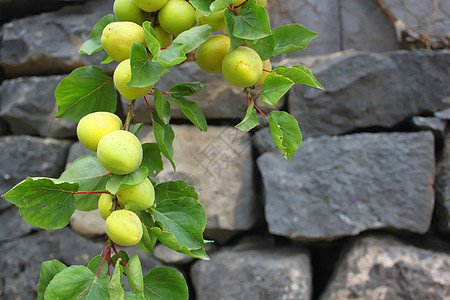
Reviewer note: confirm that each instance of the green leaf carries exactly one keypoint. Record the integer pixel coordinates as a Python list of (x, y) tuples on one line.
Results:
[(252, 22), (162, 106), (94, 44), (250, 120), (48, 270), (122, 255), (164, 136), (95, 263), (134, 275), (185, 218), (264, 47), (119, 182), (115, 289), (137, 128), (132, 296), (91, 175), (292, 38), (229, 25), (285, 132), (85, 90), (193, 37), (192, 111), (163, 283), (203, 6), (275, 86), (299, 74), (152, 158), (171, 56), (44, 202), (174, 190), (153, 44), (77, 282), (147, 241), (219, 5), (144, 71), (107, 59), (186, 88)]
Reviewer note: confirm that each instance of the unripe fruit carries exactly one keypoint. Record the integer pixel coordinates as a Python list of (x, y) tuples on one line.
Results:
[(120, 152), (176, 16), (150, 5), (121, 76), (126, 10), (105, 205), (124, 227), (142, 194), (216, 20), (267, 67), (242, 67), (92, 127), (118, 36), (210, 54), (165, 39)]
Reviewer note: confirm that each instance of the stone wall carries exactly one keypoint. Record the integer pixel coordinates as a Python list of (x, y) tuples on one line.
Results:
[(361, 211)]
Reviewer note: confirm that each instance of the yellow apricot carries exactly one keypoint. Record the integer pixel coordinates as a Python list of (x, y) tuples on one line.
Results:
[(124, 227), (216, 20), (176, 16), (117, 38), (122, 74), (210, 54), (267, 67), (105, 205), (150, 5), (126, 10), (242, 67), (143, 194), (92, 127)]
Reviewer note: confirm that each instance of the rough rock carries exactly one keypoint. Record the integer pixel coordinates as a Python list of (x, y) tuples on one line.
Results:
[(372, 90), (442, 187), (444, 114), (48, 43), (219, 164), (338, 186), (218, 101), (21, 259), (88, 223), (28, 105), (12, 225), (25, 156), (382, 267), (263, 141), (12, 9), (434, 124), (358, 19), (76, 150), (258, 272)]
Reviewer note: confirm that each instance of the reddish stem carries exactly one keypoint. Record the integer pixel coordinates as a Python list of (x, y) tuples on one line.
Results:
[(103, 261), (239, 5), (260, 111), (148, 106), (117, 254)]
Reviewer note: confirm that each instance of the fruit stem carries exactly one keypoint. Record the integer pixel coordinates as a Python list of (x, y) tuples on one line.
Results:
[(117, 254), (148, 106), (130, 115), (239, 5), (108, 251)]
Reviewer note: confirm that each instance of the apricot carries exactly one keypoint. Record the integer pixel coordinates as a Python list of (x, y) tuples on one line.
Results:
[(126, 10), (216, 20), (150, 5), (118, 36), (267, 67), (176, 16), (143, 194), (120, 152), (124, 227), (105, 205), (210, 54), (122, 74), (92, 127), (242, 67), (165, 39)]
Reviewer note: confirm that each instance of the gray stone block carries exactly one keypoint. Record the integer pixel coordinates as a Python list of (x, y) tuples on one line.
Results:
[(258, 272), (28, 105), (442, 188), (338, 186), (366, 90), (12, 225), (382, 267), (48, 43), (25, 156)]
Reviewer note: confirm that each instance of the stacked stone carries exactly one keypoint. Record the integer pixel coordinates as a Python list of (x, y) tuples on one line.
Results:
[(362, 210)]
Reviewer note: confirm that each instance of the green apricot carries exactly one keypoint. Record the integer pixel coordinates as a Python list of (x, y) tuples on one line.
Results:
[(118, 36), (150, 5), (92, 127), (142, 194), (126, 10), (120, 152), (176, 16), (210, 54), (124, 227), (105, 205), (165, 39), (242, 67), (121, 76), (216, 20)]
